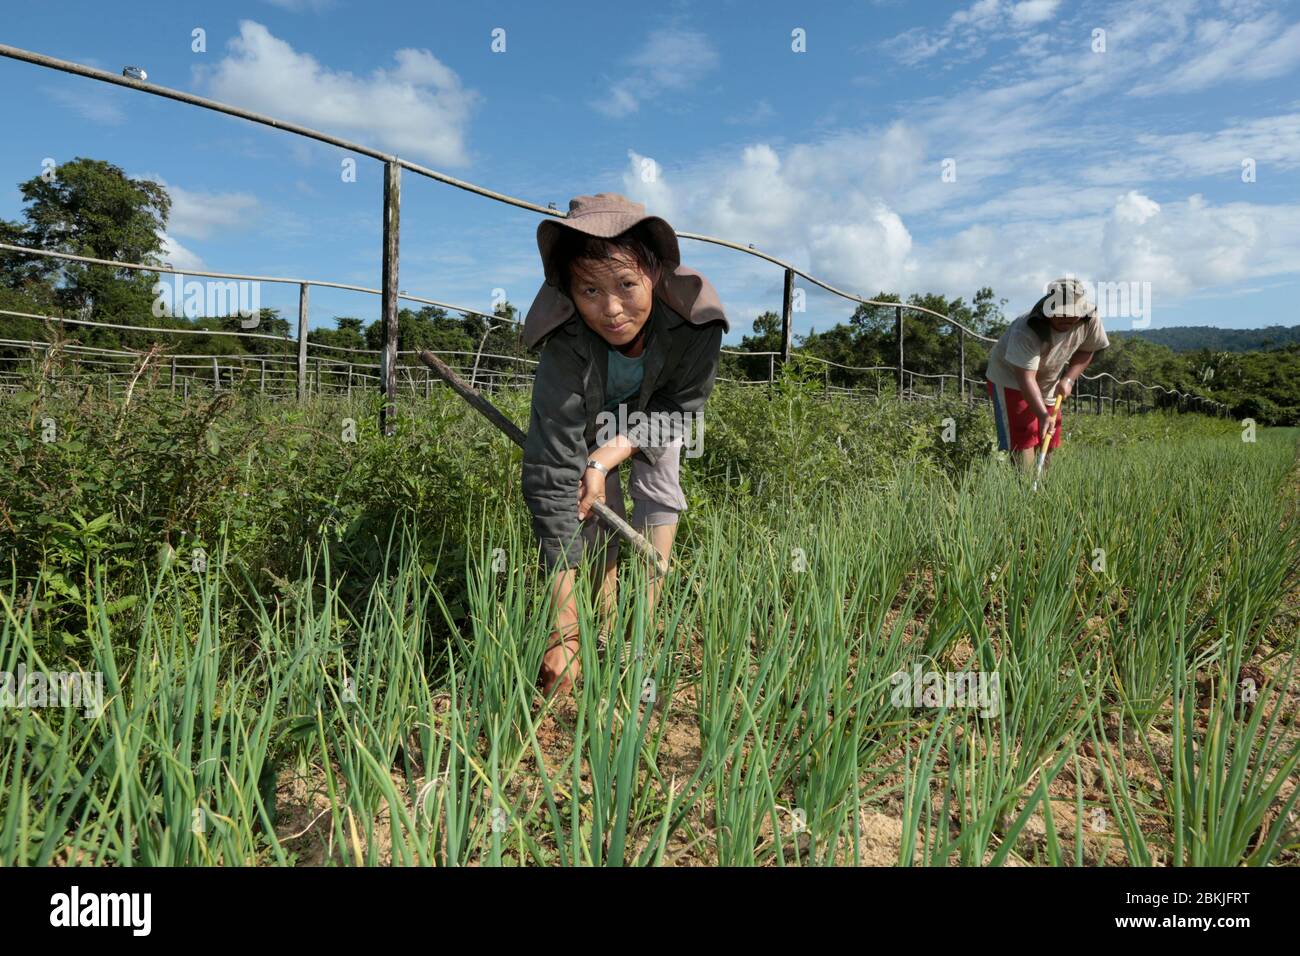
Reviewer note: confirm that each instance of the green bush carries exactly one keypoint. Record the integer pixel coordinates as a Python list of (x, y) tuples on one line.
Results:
[(121, 484)]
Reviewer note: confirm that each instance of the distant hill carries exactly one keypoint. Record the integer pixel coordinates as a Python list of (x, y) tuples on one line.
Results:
[(1190, 338)]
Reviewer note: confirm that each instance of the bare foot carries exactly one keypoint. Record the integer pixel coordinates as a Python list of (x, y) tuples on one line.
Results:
[(560, 667)]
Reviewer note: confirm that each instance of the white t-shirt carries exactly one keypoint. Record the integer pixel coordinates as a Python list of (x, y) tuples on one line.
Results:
[(1020, 347)]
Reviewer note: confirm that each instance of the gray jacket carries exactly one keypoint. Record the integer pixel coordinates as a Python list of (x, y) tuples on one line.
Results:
[(681, 365)]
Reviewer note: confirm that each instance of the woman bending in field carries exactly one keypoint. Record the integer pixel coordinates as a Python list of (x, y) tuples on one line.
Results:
[(1041, 355), (623, 327)]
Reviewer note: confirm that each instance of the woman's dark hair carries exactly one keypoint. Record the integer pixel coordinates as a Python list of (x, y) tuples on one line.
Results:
[(572, 246), (1042, 326)]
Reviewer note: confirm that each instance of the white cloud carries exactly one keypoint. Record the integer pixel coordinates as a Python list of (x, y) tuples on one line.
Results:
[(201, 215), (1222, 51), (967, 31), (758, 113), (1033, 11), (419, 109), (873, 252), (821, 208), (817, 206), (178, 256), (1133, 207), (297, 6), (1132, 247), (644, 179), (670, 61), (1273, 142), (1188, 245), (915, 45), (980, 13), (1179, 247), (95, 103)]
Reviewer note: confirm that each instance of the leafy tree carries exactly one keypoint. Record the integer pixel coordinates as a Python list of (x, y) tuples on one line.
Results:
[(347, 334), (505, 338), (987, 316), (90, 207), (429, 328), (766, 337)]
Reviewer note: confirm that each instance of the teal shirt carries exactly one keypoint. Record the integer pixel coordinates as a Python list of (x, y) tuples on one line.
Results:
[(623, 378)]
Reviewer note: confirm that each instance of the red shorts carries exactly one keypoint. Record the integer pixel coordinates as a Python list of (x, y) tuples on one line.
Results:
[(1016, 423)]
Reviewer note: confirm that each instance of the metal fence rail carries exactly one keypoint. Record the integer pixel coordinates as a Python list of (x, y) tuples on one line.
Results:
[(388, 365)]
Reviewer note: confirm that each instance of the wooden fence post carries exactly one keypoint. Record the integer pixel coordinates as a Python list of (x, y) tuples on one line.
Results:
[(392, 210), (303, 291), (898, 337), (961, 364), (787, 300)]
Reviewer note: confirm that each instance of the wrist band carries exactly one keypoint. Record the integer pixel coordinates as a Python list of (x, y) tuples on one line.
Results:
[(592, 463)]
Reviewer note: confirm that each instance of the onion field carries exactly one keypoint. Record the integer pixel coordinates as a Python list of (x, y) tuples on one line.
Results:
[(877, 646)]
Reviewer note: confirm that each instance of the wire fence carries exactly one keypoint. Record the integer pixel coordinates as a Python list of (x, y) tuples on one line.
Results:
[(280, 375), (303, 373)]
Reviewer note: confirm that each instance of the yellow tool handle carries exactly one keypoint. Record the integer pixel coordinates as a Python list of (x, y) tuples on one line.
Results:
[(1054, 417)]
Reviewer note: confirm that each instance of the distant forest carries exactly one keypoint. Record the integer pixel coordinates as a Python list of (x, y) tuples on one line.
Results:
[(1189, 338)]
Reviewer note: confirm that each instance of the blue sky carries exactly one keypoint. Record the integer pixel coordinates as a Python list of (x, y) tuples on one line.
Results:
[(1114, 164)]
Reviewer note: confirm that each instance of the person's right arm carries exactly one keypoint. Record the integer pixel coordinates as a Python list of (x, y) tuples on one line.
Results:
[(1027, 380), (1023, 354), (555, 450), (1027, 383)]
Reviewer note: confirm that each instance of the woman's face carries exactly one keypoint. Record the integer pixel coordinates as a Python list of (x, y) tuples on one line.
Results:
[(613, 296)]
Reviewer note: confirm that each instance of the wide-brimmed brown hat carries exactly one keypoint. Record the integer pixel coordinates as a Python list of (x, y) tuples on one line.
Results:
[(607, 215)]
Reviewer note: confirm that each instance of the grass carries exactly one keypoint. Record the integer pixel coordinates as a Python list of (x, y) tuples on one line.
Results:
[(360, 714)]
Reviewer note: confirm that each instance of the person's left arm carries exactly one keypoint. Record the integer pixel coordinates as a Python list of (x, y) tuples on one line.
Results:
[(685, 392), (591, 487), (1082, 358), (1078, 362)]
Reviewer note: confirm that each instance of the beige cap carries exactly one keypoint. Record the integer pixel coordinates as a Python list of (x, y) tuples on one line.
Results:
[(1067, 299)]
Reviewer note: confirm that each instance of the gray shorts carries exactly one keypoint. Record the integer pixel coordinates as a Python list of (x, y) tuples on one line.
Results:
[(656, 491)]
